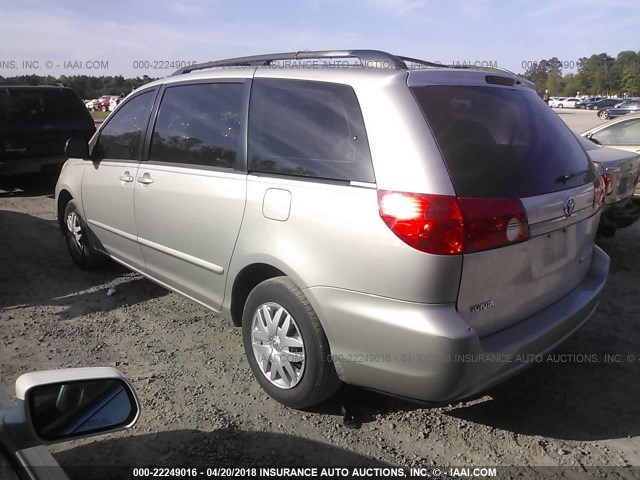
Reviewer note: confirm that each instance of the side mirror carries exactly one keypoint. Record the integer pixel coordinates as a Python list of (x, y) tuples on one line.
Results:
[(590, 137), (66, 410), (77, 148), (60, 405)]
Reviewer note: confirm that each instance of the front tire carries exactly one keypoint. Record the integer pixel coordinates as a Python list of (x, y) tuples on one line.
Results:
[(78, 241), (286, 347), (560, 106), (604, 115)]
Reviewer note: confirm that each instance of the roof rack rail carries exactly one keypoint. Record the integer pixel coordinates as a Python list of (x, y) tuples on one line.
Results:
[(370, 58), (374, 58), (426, 63)]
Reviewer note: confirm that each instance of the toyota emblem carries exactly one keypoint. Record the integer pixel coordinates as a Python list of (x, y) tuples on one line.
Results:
[(569, 206)]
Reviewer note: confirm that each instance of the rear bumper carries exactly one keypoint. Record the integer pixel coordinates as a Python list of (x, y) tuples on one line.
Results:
[(428, 352), (17, 166)]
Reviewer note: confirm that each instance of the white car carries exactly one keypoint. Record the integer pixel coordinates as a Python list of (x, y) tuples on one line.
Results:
[(568, 102), (56, 406), (554, 101), (90, 104)]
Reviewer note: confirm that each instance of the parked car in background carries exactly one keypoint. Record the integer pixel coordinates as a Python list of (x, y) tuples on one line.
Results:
[(235, 154), (555, 101), (620, 171), (90, 104), (58, 406), (586, 101), (598, 104), (104, 102), (623, 108), (568, 102), (622, 133), (35, 124)]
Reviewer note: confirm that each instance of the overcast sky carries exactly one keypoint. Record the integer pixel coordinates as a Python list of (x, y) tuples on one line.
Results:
[(119, 37)]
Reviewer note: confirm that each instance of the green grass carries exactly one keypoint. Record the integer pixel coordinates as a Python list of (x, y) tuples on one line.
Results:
[(98, 115)]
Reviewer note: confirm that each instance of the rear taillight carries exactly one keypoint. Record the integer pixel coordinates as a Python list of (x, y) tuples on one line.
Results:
[(430, 223), (598, 192), (493, 222), (608, 184), (446, 225)]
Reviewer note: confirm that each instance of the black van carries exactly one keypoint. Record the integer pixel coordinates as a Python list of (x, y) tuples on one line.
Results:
[(35, 124)]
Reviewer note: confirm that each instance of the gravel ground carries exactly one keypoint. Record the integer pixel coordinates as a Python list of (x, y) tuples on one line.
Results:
[(202, 407)]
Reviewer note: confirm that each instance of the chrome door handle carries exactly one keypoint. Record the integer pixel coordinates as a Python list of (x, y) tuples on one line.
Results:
[(127, 178), (145, 179)]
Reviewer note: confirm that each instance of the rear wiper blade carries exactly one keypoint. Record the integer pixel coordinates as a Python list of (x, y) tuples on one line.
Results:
[(569, 176)]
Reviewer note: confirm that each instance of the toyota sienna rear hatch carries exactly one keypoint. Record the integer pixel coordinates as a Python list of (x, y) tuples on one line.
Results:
[(528, 194)]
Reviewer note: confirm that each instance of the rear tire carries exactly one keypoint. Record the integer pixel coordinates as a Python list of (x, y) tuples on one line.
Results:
[(286, 346), (82, 251), (103, 108), (560, 106)]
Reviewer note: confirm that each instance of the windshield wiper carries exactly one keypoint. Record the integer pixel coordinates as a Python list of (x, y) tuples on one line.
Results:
[(569, 176)]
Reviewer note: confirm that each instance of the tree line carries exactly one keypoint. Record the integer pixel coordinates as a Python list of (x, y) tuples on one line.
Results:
[(87, 87), (600, 74)]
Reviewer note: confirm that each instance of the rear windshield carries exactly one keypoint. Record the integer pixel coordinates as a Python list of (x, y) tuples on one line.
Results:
[(37, 105), (502, 142)]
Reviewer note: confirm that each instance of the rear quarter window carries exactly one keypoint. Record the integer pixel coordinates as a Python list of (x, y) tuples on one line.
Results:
[(502, 142), (307, 129)]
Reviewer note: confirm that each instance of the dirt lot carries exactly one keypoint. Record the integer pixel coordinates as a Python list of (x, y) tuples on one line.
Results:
[(202, 407)]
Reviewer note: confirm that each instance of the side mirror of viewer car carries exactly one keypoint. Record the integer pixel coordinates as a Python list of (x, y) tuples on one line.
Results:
[(60, 405)]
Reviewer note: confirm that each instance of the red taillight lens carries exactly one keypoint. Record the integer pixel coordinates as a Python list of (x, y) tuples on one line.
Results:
[(493, 222), (608, 184), (446, 225), (598, 194), (429, 223)]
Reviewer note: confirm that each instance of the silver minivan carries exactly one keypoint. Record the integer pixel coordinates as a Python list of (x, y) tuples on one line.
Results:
[(412, 228)]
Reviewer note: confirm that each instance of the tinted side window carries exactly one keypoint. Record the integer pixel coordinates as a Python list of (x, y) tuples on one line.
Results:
[(44, 104), (502, 142), (622, 133), (199, 124), (121, 137), (309, 129)]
